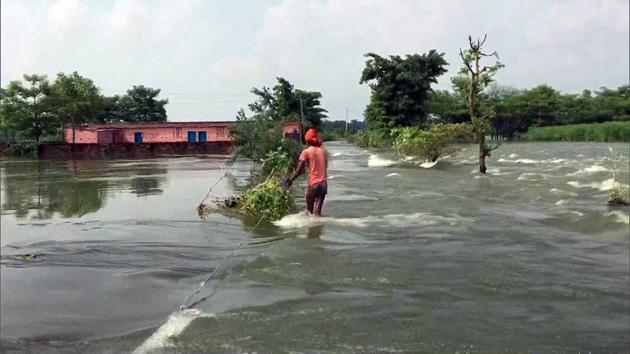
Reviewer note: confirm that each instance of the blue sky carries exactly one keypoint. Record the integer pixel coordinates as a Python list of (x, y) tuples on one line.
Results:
[(207, 55)]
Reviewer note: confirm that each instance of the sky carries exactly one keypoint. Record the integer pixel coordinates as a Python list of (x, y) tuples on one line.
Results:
[(207, 55)]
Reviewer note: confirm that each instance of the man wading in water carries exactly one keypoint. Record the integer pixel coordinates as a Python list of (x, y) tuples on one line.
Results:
[(317, 160)]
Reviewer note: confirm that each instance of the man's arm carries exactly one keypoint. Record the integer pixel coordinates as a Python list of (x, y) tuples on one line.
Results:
[(297, 172)]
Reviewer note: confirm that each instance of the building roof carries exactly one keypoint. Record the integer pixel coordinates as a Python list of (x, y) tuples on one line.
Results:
[(155, 125), (160, 125)]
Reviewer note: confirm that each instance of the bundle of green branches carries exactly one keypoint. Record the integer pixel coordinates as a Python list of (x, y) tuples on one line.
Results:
[(267, 199)]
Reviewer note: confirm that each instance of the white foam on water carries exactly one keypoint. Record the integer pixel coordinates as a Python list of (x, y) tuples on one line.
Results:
[(561, 201), (556, 161), (601, 186), (303, 219), (337, 154), (496, 172), (349, 197), (523, 161), (619, 216), (528, 176), (429, 164), (590, 169), (596, 168), (410, 158), (377, 161), (562, 192), (174, 326), (393, 174), (575, 212), (513, 156)]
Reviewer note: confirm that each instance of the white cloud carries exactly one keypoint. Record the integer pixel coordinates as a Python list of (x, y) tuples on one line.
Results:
[(206, 56), (66, 14)]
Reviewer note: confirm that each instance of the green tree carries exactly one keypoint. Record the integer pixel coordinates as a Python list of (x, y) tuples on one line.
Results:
[(25, 109), (140, 104), (76, 99), (447, 107), (111, 110), (285, 103), (477, 78), (400, 88)]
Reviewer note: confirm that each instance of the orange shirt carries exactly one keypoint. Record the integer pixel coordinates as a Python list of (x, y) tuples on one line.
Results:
[(317, 161)]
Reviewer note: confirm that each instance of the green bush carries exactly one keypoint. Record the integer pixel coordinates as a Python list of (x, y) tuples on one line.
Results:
[(432, 143), (25, 147), (598, 132), (371, 138)]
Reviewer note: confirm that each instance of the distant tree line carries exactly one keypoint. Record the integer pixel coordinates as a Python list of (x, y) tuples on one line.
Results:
[(402, 96), (37, 109), (338, 129), (516, 110)]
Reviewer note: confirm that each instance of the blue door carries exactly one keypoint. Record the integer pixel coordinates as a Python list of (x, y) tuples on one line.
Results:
[(202, 137), (192, 137), (137, 137)]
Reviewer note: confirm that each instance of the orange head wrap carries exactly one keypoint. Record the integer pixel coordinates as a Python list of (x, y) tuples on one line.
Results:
[(311, 138)]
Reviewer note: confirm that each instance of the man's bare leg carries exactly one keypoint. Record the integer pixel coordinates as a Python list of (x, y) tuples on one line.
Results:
[(310, 201), (319, 203)]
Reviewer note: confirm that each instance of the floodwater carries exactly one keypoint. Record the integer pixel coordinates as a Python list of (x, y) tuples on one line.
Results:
[(98, 256)]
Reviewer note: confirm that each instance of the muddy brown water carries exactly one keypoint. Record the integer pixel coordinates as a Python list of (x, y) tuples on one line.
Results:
[(407, 259)]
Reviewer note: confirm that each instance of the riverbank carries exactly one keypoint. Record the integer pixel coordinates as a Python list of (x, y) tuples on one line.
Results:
[(63, 151)]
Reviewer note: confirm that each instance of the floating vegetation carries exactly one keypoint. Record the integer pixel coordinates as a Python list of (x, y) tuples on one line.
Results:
[(619, 194), (31, 257)]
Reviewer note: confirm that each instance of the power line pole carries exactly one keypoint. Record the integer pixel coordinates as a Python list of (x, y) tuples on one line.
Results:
[(302, 117), (346, 121)]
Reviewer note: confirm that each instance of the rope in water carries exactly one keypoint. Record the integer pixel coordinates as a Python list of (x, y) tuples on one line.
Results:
[(216, 269), (227, 171)]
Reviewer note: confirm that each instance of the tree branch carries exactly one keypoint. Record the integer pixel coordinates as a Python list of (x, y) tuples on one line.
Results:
[(485, 36), (461, 54)]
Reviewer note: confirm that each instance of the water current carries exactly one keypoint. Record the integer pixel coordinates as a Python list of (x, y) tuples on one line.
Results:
[(98, 256)]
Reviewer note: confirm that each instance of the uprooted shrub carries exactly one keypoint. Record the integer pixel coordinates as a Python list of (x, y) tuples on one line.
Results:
[(619, 194), (431, 144)]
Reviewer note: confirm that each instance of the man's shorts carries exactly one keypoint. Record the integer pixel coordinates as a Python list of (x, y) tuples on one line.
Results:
[(317, 190)]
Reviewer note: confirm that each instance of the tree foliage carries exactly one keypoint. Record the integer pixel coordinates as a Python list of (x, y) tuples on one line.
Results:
[(400, 88), (433, 143), (285, 103), (26, 109), (35, 109), (516, 110), (76, 100), (141, 104)]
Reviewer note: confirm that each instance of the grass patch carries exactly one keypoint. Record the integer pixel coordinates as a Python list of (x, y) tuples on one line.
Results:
[(597, 132)]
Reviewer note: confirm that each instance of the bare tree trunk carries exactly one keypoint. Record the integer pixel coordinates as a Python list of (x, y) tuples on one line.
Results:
[(482, 153)]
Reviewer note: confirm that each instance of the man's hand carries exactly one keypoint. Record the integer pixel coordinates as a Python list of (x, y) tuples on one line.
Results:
[(286, 183)]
